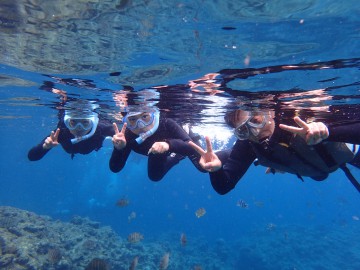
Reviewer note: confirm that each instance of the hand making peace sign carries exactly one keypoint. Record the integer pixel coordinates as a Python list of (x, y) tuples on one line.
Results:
[(119, 139), (313, 133), (52, 140), (209, 161)]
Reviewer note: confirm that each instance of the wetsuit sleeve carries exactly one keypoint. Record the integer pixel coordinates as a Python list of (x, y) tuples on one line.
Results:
[(179, 143), (348, 133), (37, 152), (179, 146), (235, 163), (178, 138), (176, 131), (118, 159), (107, 129)]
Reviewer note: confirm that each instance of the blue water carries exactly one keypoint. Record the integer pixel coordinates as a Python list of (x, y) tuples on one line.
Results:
[(176, 42)]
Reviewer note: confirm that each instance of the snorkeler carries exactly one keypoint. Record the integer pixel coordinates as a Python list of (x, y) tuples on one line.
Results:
[(78, 131), (161, 139), (312, 149)]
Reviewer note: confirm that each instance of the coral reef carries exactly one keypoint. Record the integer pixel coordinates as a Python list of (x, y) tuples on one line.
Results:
[(32, 242)]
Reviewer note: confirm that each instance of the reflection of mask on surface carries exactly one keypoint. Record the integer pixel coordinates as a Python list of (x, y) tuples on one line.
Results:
[(82, 124), (252, 124)]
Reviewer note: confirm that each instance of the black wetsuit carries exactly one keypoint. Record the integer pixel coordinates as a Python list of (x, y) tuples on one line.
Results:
[(84, 147), (237, 160), (158, 164)]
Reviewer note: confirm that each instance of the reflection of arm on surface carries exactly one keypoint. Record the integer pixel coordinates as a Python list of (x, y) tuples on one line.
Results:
[(208, 83)]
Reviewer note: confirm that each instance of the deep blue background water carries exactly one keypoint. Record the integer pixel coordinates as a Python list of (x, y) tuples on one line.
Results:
[(61, 188)]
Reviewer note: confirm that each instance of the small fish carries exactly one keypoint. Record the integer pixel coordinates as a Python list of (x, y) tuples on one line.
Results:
[(355, 218), (197, 267), (131, 216), (200, 212), (270, 227), (135, 237), (97, 264), (122, 202), (183, 239), (164, 263), (242, 204), (134, 263)]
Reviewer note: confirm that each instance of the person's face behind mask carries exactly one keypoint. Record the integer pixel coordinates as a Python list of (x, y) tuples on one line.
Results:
[(140, 123), (79, 127), (253, 126)]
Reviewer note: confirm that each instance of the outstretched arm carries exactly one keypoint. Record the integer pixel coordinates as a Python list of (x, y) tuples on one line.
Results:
[(209, 161), (313, 133), (120, 152), (348, 133), (236, 162), (226, 167), (39, 151)]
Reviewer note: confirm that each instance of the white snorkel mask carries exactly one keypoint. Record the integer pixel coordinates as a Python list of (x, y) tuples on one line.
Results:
[(84, 121), (142, 123)]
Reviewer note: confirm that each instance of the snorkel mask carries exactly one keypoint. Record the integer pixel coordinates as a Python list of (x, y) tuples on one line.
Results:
[(251, 125), (84, 122), (139, 120)]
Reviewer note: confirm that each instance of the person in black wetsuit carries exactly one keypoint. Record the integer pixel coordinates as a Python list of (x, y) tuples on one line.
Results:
[(161, 139), (79, 131), (312, 149)]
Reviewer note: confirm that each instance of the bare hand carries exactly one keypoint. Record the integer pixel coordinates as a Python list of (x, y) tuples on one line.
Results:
[(313, 133), (209, 161), (159, 148), (119, 140), (52, 140)]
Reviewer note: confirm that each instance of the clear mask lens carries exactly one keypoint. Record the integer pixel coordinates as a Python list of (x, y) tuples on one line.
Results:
[(252, 125), (140, 122), (85, 124), (242, 132), (257, 121)]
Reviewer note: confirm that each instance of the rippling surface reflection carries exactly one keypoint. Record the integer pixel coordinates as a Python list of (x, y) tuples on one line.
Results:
[(150, 40), (193, 60), (330, 94)]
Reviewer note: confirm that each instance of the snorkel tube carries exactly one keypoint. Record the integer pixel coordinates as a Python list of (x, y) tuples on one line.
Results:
[(143, 136)]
